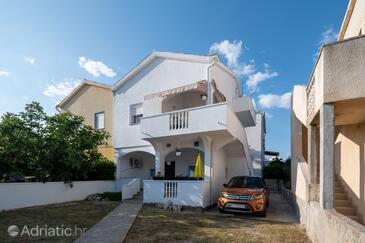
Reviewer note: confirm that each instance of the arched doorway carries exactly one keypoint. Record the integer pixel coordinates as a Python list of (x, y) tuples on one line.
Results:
[(137, 164)]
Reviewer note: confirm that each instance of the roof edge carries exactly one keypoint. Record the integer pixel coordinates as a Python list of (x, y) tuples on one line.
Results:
[(79, 87), (346, 19)]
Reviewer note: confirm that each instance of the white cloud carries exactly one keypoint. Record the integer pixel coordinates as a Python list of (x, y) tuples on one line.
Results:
[(275, 101), (96, 68), (60, 90), (29, 60), (258, 77), (329, 35), (230, 50), (4, 73)]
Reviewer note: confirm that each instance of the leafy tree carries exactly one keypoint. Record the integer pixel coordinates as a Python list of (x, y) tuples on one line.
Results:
[(59, 147), (278, 169)]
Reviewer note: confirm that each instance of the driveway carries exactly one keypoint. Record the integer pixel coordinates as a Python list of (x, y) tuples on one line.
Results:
[(279, 211)]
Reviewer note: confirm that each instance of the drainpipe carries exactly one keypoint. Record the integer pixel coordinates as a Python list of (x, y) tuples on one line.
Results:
[(210, 98)]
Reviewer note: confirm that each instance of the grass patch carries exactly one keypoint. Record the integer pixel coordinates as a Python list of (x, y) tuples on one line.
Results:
[(82, 214), (157, 225)]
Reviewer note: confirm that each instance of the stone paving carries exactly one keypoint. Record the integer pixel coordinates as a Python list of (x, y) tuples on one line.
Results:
[(114, 226)]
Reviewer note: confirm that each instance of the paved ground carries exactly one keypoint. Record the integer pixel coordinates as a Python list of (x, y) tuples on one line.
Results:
[(279, 211), (114, 226)]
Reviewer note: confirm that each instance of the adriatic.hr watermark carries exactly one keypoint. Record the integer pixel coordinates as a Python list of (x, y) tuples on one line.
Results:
[(45, 231)]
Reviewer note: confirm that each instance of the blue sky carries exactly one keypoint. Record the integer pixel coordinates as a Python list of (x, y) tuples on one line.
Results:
[(47, 47)]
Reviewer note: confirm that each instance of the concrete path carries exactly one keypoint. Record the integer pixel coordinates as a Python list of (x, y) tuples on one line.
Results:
[(114, 226), (279, 211)]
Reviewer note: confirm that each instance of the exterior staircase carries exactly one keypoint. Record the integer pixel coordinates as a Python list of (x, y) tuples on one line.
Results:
[(343, 204)]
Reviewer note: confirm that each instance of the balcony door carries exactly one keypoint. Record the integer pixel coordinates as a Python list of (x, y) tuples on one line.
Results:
[(170, 170)]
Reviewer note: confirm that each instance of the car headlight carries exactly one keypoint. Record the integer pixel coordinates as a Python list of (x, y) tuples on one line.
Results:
[(257, 196)]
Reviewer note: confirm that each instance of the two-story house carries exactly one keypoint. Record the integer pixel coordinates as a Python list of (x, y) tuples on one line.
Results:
[(171, 108), (328, 137)]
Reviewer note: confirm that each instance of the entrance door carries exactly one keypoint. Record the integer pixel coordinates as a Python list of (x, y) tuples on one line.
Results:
[(170, 170)]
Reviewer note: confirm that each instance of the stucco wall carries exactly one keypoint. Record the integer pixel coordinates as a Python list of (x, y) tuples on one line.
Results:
[(19, 195), (226, 84), (256, 143), (357, 20), (91, 100), (344, 73), (350, 163), (161, 74), (298, 120)]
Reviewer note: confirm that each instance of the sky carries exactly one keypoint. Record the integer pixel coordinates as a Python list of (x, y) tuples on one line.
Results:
[(48, 47)]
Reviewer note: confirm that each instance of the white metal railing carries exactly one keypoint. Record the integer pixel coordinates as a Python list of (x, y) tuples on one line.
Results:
[(131, 189), (311, 97), (179, 120), (170, 189)]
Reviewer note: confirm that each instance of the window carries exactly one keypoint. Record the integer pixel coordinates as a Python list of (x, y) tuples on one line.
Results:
[(99, 120), (136, 113)]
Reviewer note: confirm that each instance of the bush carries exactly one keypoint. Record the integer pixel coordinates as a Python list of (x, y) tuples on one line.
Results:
[(111, 196), (102, 169), (278, 169)]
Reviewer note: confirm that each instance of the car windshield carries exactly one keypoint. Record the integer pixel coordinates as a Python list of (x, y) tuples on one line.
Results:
[(246, 182)]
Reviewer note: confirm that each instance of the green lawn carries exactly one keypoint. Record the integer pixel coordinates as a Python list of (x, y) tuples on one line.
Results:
[(158, 225), (80, 214)]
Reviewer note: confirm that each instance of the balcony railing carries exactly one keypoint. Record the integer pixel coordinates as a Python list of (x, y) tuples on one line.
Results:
[(179, 120)]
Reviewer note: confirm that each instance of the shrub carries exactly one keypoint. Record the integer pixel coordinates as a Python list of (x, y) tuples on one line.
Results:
[(102, 169), (111, 196)]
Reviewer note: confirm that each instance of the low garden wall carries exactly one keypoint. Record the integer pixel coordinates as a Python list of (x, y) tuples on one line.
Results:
[(27, 194), (325, 225)]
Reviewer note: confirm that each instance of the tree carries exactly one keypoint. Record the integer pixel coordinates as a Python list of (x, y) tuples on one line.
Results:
[(59, 147), (278, 169)]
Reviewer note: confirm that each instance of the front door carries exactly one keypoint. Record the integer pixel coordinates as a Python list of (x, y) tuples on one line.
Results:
[(170, 170)]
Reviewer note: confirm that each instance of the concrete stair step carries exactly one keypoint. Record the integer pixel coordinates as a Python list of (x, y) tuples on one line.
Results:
[(341, 196), (343, 203), (346, 211), (339, 189), (355, 218)]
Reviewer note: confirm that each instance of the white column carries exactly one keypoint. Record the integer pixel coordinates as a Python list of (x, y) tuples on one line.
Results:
[(327, 170), (117, 154)]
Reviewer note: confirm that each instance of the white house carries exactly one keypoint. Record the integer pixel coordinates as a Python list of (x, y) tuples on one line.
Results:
[(172, 107)]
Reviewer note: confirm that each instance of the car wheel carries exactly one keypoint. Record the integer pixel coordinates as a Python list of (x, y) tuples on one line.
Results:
[(268, 203), (221, 210), (262, 213)]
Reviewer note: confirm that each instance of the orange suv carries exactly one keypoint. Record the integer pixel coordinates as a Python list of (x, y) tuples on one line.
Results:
[(245, 194)]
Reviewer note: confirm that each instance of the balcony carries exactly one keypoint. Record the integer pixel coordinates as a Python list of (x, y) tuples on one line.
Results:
[(339, 74), (213, 118)]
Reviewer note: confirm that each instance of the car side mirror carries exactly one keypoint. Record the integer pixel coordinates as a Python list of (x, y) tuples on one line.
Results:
[(225, 185)]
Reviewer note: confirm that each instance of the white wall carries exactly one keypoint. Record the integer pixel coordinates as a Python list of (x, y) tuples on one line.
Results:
[(357, 20), (161, 74), (146, 160), (256, 143), (20, 195), (226, 84)]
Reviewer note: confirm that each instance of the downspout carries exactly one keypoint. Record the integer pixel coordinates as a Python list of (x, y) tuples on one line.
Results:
[(210, 101)]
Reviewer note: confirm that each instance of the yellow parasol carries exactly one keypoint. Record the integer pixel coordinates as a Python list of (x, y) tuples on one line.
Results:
[(198, 172)]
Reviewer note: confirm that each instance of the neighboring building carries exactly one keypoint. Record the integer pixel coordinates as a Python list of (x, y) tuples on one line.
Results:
[(256, 142), (93, 101), (328, 137)]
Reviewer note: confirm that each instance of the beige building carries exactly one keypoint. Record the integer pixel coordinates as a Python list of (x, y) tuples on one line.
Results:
[(328, 137), (93, 101)]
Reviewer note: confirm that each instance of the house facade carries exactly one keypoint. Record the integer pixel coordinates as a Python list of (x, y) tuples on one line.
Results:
[(94, 102), (166, 111), (169, 109), (328, 137)]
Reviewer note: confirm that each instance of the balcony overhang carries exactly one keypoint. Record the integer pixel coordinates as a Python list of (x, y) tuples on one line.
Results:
[(245, 111)]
